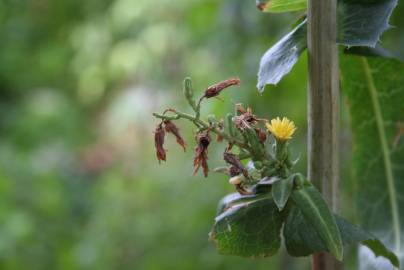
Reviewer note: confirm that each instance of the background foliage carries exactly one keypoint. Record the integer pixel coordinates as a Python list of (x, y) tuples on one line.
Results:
[(79, 184)]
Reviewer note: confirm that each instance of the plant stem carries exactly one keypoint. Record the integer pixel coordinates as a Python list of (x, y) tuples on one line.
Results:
[(323, 108), (202, 124)]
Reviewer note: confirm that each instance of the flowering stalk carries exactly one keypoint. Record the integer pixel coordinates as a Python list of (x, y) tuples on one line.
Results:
[(268, 191), (242, 130)]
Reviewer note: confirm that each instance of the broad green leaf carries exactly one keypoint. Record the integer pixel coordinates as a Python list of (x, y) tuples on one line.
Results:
[(317, 213), (374, 88), (301, 239), (281, 191), (250, 229), (360, 24), (278, 6), (369, 51)]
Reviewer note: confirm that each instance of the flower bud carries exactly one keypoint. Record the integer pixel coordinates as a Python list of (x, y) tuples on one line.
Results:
[(188, 90)]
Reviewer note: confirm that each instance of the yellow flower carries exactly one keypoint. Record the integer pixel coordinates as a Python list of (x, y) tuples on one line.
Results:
[(281, 129)]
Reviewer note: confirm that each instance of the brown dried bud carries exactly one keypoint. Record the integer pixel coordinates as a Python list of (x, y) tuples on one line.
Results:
[(159, 135), (219, 138), (233, 171), (262, 135), (201, 153), (232, 160), (214, 90), (261, 5), (170, 127)]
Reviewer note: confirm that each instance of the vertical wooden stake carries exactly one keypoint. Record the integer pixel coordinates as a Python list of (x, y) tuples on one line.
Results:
[(323, 167)]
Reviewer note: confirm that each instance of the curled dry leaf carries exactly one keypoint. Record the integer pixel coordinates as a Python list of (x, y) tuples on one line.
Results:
[(170, 127), (201, 153), (159, 135)]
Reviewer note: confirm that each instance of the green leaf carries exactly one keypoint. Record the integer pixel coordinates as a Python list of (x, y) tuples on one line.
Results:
[(236, 198), (301, 239), (278, 6), (249, 229), (281, 57), (360, 24), (369, 51), (374, 88), (316, 211), (281, 191)]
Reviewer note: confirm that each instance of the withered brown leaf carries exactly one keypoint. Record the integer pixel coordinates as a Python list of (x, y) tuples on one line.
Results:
[(170, 127), (159, 135)]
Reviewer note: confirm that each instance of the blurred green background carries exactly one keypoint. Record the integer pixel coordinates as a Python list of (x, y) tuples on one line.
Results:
[(80, 187)]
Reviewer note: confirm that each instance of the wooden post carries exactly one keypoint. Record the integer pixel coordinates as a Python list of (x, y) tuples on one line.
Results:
[(323, 167)]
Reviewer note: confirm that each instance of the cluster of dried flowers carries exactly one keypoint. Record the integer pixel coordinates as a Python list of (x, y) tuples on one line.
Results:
[(246, 136)]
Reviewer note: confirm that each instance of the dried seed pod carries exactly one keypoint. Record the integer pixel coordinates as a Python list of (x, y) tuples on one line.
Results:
[(214, 90), (170, 127), (201, 153), (159, 135), (232, 160)]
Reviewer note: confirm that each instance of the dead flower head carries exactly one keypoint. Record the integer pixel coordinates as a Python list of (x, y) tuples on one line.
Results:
[(159, 135), (201, 153), (170, 127), (246, 119), (214, 90)]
